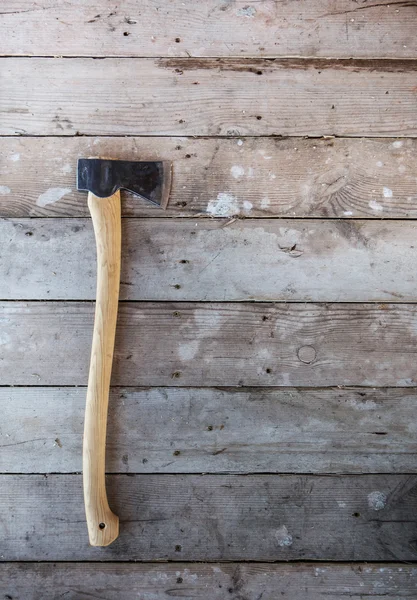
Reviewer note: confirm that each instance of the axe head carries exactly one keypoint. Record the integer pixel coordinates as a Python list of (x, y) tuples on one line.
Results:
[(103, 177)]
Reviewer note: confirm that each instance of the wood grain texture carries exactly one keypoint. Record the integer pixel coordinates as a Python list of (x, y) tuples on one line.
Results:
[(210, 260), (220, 97), (216, 517), (197, 430), (344, 178), (209, 28), (207, 581), (209, 344)]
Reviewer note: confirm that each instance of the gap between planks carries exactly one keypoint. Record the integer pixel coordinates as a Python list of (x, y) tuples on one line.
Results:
[(330, 59), (207, 137), (387, 64)]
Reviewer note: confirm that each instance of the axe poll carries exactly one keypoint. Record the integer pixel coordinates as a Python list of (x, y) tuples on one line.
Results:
[(103, 179)]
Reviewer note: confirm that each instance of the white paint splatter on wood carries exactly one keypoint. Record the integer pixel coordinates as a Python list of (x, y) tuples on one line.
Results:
[(225, 205), (52, 195), (284, 539), (387, 192), (4, 190), (375, 205), (362, 405), (188, 350), (237, 171), (377, 500), (4, 338), (246, 11), (15, 157)]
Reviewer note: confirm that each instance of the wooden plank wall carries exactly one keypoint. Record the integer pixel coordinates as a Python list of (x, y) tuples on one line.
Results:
[(264, 389)]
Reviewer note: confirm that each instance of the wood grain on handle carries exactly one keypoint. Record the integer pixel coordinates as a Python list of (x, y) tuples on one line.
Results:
[(103, 525)]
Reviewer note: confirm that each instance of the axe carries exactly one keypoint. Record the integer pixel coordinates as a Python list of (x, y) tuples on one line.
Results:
[(103, 180)]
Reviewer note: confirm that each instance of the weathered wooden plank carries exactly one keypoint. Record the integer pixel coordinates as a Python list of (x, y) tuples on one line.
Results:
[(220, 177), (215, 517), (195, 430), (185, 344), (188, 96), (77, 581), (167, 259), (209, 28)]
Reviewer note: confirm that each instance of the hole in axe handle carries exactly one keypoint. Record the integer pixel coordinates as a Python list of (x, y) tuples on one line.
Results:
[(102, 525)]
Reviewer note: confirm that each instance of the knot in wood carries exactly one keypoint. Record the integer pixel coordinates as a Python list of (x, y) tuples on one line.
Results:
[(307, 354)]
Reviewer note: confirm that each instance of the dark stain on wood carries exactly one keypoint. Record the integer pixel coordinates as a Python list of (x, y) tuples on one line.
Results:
[(257, 66)]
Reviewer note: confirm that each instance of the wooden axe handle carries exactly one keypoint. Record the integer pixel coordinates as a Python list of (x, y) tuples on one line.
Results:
[(103, 525)]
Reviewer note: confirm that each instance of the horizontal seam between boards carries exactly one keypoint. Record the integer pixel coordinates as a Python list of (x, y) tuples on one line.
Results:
[(385, 302), (248, 561), (206, 217), (219, 474), (226, 388), (286, 58), (324, 136), (242, 388), (352, 136)]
